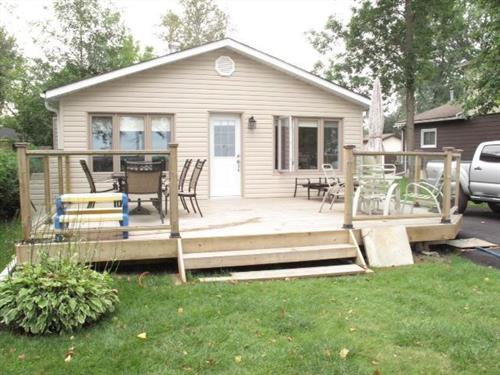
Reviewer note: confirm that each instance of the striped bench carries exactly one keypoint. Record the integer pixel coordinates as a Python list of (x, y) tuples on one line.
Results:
[(66, 215)]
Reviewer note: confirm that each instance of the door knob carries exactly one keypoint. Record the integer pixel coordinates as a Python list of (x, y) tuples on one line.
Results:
[(478, 169), (238, 161)]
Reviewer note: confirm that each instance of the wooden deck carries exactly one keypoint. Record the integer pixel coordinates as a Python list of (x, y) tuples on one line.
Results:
[(235, 224)]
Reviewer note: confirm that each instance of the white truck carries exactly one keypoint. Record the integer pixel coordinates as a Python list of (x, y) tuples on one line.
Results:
[(479, 178)]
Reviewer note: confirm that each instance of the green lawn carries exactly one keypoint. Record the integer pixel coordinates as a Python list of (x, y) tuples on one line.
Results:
[(439, 316), (10, 232)]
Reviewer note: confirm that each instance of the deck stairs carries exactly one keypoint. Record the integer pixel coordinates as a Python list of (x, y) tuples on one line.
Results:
[(278, 249)]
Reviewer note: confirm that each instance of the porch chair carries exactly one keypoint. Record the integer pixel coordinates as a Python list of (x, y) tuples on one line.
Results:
[(182, 181), (91, 182), (193, 183), (335, 188), (145, 178), (428, 192)]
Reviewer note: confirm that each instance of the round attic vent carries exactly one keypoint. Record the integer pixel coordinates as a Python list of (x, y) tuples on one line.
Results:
[(224, 65)]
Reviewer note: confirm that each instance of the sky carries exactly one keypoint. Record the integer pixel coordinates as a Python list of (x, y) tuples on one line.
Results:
[(276, 27)]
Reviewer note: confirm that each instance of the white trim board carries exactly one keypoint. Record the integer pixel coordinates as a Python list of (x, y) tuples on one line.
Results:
[(224, 43)]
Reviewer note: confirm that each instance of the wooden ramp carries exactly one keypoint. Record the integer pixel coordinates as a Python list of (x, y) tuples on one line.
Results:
[(277, 249)]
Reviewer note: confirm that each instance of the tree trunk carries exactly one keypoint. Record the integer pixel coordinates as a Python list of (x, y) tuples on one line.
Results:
[(409, 66)]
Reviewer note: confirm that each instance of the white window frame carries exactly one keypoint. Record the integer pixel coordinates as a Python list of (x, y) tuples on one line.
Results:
[(422, 137)]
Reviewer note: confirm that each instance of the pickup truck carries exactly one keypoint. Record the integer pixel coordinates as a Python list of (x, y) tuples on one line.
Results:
[(479, 178)]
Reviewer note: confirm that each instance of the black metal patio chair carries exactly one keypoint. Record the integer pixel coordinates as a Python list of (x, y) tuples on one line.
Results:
[(91, 182), (193, 183)]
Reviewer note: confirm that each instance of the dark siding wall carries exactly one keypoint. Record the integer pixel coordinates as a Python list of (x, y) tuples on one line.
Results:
[(462, 134)]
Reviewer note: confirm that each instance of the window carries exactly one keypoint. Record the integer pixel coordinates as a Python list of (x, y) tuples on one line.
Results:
[(331, 141), (224, 139), (102, 139), (308, 144), (428, 138), (128, 132), (490, 154), (305, 144)]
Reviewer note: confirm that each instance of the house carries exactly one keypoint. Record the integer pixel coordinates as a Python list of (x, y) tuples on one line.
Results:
[(259, 121), (7, 138), (447, 125)]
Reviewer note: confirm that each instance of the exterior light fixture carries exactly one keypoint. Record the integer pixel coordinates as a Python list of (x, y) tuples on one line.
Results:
[(252, 123)]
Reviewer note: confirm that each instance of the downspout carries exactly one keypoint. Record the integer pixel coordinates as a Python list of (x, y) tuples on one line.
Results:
[(57, 132)]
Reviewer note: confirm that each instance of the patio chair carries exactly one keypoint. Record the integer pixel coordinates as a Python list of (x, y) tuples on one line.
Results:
[(193, 183), (377, 187), (93, 189), (335, 188), (182, 180), (145, 178), (428, 192)]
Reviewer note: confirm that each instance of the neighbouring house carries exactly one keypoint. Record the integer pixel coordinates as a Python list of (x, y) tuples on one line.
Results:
[(391, 143), (259, 121), (447, 125), (7, 138)]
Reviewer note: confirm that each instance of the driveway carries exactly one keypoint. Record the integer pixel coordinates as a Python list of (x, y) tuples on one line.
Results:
[(481, 223)]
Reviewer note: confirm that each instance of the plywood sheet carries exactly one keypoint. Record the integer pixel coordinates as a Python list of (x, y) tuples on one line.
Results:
[(469, 243), (387, 246)]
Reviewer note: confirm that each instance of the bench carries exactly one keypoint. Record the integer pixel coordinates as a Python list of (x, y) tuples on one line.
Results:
[(66, 215)]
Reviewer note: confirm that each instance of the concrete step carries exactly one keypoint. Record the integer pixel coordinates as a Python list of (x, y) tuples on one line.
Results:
[(216, 259), (339, 270)]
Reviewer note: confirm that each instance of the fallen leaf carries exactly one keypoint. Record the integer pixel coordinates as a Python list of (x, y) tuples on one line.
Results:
[(352, 329), (343, 353), (187, 368), (142, 335), (376, 372), (21, 357), (374, 363), (72, 338), (68, 357), (180, 311), (184, 352), (289, 338), (237, 359), (328, 353), (210, 361), (486, 279)]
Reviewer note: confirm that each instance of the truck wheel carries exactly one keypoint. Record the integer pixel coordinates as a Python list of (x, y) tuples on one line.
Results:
[(462, 201), (495, 207)]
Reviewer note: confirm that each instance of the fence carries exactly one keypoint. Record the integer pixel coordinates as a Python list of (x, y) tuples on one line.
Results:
[(61, 161), (410, 180)]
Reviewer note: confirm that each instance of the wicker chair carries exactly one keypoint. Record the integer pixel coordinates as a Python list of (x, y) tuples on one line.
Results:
[(90, 180), (193, 183), (145, 178)]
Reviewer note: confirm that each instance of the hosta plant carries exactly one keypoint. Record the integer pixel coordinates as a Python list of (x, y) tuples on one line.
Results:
[(55, 296)]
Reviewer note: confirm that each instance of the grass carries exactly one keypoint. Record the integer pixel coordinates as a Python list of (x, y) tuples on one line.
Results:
[(440, 316), (10, 232)]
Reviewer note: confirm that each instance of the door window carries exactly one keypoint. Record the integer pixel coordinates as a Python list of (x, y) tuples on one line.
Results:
[(224, 139), (490, 154)]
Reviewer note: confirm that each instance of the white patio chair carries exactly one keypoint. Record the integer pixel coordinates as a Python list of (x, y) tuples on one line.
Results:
[(378, 187), (335, 188)]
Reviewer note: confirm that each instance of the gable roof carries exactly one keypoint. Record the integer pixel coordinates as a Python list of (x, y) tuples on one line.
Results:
[(8, 133), (446, 112), (384, 137), (231, 44)]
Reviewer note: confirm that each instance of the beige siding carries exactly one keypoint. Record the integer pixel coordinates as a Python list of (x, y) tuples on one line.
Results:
[(191, 89)]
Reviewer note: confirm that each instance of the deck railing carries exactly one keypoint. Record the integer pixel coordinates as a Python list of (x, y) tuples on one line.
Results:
[(64, 185), (413, 162)]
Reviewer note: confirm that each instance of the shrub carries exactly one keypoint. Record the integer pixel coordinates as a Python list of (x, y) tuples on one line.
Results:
[(55, 296), (9, 185)]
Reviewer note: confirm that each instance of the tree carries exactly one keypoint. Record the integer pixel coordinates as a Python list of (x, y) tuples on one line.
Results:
[(85, 39), (10, 67), (482, 71), (201, 21), (405, 43)]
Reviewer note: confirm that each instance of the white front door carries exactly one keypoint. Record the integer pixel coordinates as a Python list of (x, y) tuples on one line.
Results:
[(225, 163)]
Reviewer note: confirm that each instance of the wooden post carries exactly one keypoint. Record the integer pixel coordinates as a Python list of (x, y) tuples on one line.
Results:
[(458, 161), (60, 175), (173, 190), (46, 181), (445, 218), (349, 185), (417, 172), (67, 174), (23, 172)]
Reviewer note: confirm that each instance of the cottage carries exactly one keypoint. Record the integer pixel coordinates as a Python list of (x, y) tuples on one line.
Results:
[(447, 125), (259, 121)]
